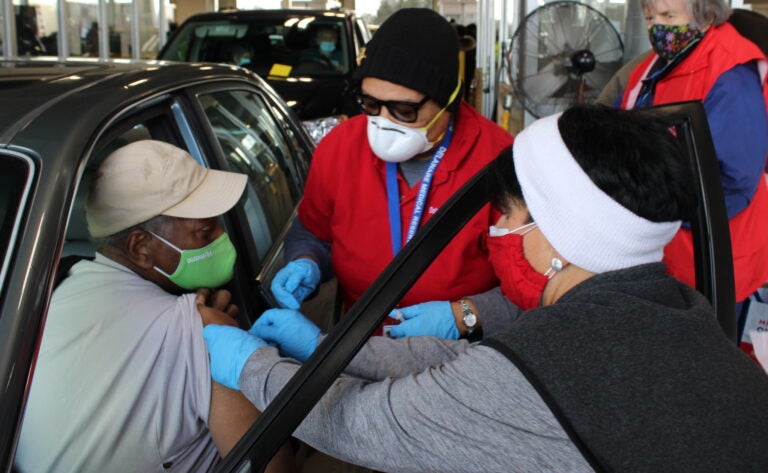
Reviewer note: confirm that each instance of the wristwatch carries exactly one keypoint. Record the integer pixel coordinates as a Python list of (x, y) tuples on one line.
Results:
[(469, 317)]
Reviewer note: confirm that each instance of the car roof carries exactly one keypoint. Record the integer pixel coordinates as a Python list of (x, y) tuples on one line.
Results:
[(277, 13), (38, 96)]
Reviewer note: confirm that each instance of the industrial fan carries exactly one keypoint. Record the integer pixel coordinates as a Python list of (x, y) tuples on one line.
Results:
[(563, 53)]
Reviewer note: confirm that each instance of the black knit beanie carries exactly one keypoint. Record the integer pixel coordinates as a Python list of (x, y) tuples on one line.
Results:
[(416, 48)]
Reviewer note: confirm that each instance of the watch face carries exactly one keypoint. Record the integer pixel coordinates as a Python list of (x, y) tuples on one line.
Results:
[(470, 319)]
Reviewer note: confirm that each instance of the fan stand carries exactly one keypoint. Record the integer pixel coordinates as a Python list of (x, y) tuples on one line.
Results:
[(582, 62)]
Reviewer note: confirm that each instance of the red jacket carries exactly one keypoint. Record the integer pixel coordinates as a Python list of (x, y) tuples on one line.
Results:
[(721, 49), (345, 203)]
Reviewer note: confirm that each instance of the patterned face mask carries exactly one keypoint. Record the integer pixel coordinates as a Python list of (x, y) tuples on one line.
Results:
[(669, 40)]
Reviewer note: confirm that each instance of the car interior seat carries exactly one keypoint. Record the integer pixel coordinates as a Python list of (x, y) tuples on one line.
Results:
[(296, 39), (261, 53)]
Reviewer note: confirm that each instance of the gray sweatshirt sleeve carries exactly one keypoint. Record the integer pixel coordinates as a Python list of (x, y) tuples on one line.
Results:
[(384, 357), (496, 310), (474, 413)]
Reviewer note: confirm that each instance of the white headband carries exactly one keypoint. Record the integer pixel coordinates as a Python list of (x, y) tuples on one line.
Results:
[(585, 225)]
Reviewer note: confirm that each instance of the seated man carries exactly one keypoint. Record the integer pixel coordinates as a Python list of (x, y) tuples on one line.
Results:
[(242, 54), (123, 381), (622, 368), (325, 53)]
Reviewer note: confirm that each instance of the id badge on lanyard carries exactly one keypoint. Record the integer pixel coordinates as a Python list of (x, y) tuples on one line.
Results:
[(756, 327), (393, 195)]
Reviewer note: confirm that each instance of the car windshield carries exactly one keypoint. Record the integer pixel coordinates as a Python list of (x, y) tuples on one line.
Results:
[(271, 46)]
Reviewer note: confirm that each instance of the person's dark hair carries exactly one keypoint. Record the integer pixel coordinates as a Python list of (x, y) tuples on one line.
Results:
[(504, 186), (634, 158)]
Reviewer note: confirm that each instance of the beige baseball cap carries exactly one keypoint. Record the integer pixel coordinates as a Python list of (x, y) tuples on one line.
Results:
[(148, 178)]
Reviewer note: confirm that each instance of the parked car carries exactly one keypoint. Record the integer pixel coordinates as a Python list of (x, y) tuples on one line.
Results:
[(59, 120), (282, 46)]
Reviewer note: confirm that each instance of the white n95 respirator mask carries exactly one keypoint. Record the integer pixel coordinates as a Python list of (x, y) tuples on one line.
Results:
[(396, 143)]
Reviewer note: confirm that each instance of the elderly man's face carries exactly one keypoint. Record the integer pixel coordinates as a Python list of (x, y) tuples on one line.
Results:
[(185, 233)]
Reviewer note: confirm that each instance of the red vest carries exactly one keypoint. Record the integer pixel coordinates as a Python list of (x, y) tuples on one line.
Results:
[(721, 49), (345, 203)]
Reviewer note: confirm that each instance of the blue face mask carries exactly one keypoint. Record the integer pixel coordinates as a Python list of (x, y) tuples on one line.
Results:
[(327, 46)]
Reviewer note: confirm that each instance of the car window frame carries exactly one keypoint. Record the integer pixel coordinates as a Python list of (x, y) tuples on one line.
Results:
[(255, 275), (20, 211)]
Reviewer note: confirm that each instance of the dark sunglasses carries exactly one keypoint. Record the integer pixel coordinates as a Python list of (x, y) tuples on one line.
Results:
[(406, 112)]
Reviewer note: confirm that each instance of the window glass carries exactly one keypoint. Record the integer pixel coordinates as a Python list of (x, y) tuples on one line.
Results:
[(253, 144), (36, 27), (279, 46), (614, 10), (82, 28), (149, 28), (15, 178), (119, 21)]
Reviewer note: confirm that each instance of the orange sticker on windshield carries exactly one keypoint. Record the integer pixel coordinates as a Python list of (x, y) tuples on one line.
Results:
[(280, 70)]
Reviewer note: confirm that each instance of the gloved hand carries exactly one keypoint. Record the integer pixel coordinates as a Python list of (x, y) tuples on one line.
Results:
[(295, 282), (229, 349), (294, 334), (427, 319)]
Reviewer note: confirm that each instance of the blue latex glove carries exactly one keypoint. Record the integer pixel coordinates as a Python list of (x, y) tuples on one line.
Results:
[(293, 334), (427, 319), (295, 282), (229, 348)]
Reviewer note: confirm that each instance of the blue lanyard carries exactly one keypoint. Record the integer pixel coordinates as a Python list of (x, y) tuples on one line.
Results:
[(393, 195)]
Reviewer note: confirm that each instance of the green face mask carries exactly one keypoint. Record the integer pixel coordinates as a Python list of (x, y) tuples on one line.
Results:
[(210, 266)]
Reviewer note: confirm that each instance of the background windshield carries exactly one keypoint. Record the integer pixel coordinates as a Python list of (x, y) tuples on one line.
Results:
[(291, 45)]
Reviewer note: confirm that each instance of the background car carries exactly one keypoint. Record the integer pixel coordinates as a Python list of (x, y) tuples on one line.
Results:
[(281, 46), (59, 120)]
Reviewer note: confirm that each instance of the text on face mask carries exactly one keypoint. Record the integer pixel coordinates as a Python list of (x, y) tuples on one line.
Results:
[(193, 259)]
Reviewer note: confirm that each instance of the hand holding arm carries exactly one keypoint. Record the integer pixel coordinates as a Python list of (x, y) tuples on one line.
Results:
[(229, 348), (294, 334), (295, 282)]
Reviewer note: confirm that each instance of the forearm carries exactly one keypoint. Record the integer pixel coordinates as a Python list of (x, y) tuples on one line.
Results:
[(383, 357), (300, 242), (494, 311)]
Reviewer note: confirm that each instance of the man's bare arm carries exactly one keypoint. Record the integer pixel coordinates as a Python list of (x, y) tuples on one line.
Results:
[(231, 413)]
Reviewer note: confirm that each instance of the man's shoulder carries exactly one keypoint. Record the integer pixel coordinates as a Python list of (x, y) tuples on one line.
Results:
[(103, 280)]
